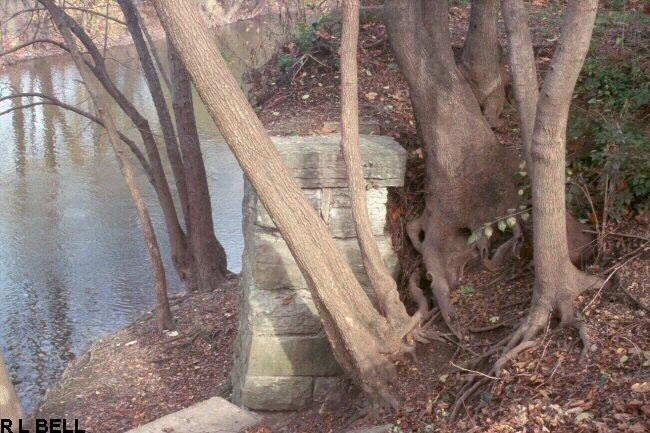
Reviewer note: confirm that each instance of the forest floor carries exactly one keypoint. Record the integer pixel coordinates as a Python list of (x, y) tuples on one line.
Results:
[(137, 375)]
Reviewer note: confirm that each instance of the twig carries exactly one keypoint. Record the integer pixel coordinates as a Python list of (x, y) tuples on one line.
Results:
[(473, 371)]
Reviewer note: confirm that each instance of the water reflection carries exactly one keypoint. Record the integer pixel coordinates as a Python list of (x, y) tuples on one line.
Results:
[(73, 264)]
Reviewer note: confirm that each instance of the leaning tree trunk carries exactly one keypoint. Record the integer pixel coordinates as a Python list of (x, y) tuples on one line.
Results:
[(361, 339), (381, 280), (10, 407), (480, 60), (94, 89), (469, 175), (211, 261)]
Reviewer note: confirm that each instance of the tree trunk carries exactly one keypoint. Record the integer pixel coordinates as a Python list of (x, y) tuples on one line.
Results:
[(469, 175), (481, 62), (211, 261), (10, 407), (557, 280), (181, 254), (360, 337), (156, 91), (524, 71), (381, 280), (94, 89)]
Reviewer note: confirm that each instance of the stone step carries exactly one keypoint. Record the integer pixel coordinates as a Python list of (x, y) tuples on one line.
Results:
[(215, 415)]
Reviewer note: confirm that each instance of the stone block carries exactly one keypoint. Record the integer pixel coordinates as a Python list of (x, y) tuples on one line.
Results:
[(276, 269), (273, 355), (315, 161), (277, 393), (341, 224), (282, 312)]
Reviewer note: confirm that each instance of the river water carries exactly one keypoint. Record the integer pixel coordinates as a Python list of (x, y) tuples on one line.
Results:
[(73, 262)]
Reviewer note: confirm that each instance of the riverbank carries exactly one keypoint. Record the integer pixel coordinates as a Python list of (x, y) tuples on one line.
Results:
[(137, 374)]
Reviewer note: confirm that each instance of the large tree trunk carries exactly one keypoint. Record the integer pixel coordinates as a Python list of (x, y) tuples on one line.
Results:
[(10, 407), (211, 261), (469, 175), (361, 338), (94, 89), (480, 60)]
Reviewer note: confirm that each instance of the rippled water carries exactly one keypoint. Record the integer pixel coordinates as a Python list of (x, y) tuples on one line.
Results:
[(73, 263)]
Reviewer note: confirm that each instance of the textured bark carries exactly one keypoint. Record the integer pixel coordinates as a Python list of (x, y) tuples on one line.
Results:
[(480, 60), (524, 71), (211, 261), (360, 337), (160, 104), (181, 255), (381, 280), (469, 179), (557, 280), (94, 89), (10, 407)]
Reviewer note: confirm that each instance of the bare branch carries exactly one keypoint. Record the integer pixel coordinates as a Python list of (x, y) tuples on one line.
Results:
[(51, 100), (33, 42)]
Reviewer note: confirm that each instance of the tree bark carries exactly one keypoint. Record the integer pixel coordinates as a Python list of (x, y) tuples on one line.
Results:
[(360, 337), (481, 62), (156, 91), (381, 280), (10, 407), (524, 71), (94, 89), (181, 254), (211, 260), (557, 280), (469, 175)]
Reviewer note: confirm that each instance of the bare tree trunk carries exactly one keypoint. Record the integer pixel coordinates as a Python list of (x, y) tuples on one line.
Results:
[(481, 62), (211, 260), (181, 254), (94, 89), (557, 280), (164, 116), (361, 338), (524, 71), (381, 280), (10, 407), (469, 179)]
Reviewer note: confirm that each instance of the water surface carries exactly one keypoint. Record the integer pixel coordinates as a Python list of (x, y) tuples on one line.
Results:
[(73, 262)]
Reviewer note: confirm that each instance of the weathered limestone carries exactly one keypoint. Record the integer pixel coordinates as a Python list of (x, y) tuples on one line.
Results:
[(283, 360)]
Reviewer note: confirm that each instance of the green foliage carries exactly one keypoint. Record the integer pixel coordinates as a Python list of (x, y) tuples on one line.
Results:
[(286, 62), (608, 120), (307, 34)]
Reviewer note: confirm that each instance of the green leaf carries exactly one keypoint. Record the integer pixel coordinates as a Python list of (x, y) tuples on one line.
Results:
[(512, 221), (525, 216), (488, 232), (443, 378), (502, 225), (467, 290), (624, 359), (305, 97), (494, 319)]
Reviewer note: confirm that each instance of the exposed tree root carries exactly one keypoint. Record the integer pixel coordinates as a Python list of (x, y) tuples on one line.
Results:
[(525, 336)]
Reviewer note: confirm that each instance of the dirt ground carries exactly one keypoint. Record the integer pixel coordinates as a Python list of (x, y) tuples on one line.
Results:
[(138, 375)]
